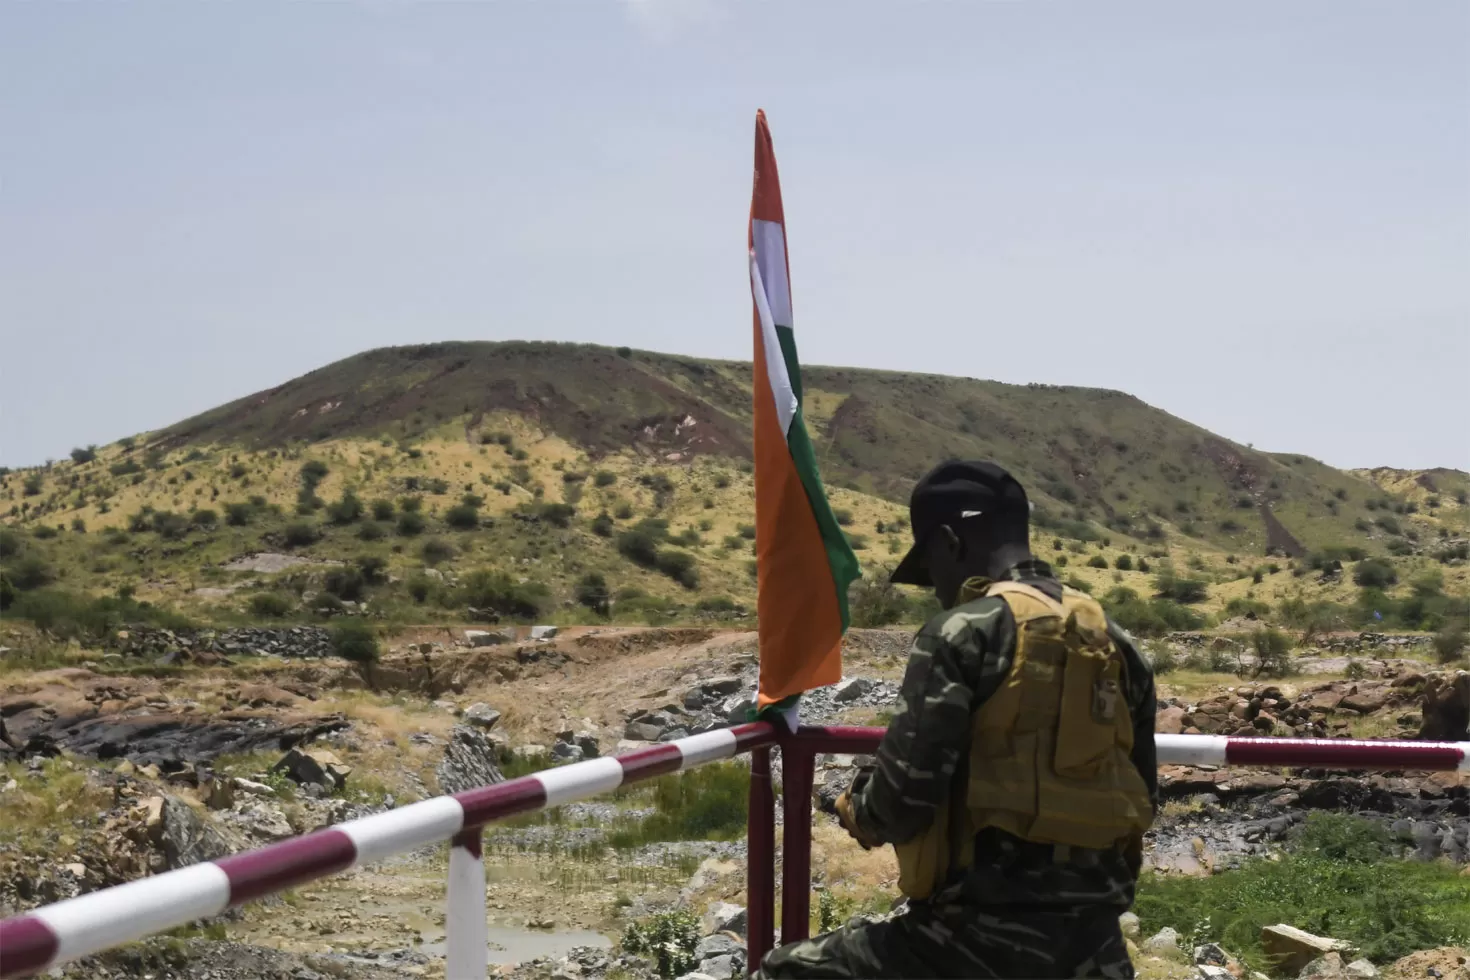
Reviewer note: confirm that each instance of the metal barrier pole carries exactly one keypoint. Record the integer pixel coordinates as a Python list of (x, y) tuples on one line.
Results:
[(760, 861), (466, 932), (797, 761)]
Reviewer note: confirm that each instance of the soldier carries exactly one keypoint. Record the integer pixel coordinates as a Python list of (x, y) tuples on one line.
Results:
[(1019, 776)]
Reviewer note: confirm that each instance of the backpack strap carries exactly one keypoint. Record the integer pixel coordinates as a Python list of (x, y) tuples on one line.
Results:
[(1031, 592)]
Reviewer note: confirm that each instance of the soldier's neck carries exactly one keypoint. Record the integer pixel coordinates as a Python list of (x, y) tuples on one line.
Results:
[(1003, 559)]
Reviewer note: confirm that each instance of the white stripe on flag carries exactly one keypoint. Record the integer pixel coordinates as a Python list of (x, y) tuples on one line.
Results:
[(770, 255), (775, 360)]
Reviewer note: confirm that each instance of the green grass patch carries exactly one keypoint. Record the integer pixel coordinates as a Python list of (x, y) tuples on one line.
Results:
[(1339, 878), (708, 803)]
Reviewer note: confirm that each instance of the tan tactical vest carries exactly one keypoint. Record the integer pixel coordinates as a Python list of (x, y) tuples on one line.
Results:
[(1048, 758)]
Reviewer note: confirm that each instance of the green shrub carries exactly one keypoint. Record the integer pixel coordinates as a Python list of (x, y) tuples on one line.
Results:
[(169, 525), (557, 515), (436, 551), (80, 456), (67, 616), (604, 478), (371, 531), (857, 542), (346, 583), (639, 546), (1097, 561), (238, 514), (347, 509), (1148, 617), (1273, 652), (602, 525), (1164, 660), (1449, 642), (623, 510), (462, 517), (44, 532), (313, 471), (843, 516), (411, 504), (873, 601), (747, 531), (1375, 573), (204, 517), (591, 591), (410, 523), (355, 640), (1247, 608), (1168, 585), (30, 572), (1073, 582), (679, 566), (1124, 563), (271, 605), (10, 543), (382, 510), (499, 593), (128, 467), (300, 534)]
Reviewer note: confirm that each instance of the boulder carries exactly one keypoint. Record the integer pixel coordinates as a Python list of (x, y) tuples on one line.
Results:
[(725, 917), (1209, 971), (179, 833), (1212, 954), (642, 731), (1291, 949), (721, 967), (543, 632), (1166, 940), (261, 822), (314, 766), (218, 793), (1361, 970), (531, 753), (1446, 707), (252, 788), (1128, 923), (721, 686), (1329, 966), (719, 944), (481, 715), (737, 709), (566, 752), (469, 761), (1170, 720), (483, 638), (587, 742), (851, 689)]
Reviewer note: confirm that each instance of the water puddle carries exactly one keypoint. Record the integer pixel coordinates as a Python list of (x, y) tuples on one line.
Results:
[(512, 945)]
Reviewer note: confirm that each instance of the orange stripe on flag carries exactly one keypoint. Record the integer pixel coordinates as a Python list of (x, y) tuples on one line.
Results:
[(799, 620), (799, 624)]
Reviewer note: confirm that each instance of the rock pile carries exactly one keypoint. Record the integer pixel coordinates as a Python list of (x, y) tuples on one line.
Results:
[(283, 641), (470, 761)]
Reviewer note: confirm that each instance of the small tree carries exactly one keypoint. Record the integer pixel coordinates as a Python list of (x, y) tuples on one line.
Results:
[(1375, 573), (591, 591), (357, 641), (1449, 642)]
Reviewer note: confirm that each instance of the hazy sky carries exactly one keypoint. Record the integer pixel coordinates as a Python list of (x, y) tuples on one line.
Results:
[(1255, 215)]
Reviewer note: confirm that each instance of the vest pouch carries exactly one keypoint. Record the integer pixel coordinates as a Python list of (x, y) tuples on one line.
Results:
[(923, 862), (1092, 698)]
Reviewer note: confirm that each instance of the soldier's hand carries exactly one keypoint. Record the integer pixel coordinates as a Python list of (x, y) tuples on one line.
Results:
[(849, 823)]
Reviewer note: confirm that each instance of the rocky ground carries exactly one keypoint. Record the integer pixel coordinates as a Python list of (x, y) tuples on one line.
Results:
[(111, 775)]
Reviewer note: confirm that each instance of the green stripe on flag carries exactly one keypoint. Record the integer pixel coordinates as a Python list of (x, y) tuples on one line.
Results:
[(840, 557)]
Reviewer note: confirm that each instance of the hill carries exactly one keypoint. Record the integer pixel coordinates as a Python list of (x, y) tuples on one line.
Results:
[(565, 474)]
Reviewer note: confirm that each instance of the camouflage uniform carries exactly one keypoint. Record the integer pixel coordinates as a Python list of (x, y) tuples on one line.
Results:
[(1022, 909)]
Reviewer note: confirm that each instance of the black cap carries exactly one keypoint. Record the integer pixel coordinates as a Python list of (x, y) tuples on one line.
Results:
[(951, 492)]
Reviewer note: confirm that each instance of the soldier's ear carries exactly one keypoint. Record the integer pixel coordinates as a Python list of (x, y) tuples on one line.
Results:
[(953, 543)]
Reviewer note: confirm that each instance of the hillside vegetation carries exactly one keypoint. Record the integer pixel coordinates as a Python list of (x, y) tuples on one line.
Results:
[(475, 481)]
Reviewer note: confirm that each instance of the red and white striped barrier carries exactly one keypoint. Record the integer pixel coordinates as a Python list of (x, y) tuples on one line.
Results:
[(1311, 753), (89, 923), (66, 930)]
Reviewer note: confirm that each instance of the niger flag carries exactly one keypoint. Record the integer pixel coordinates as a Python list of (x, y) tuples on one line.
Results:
[(804, 564)]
